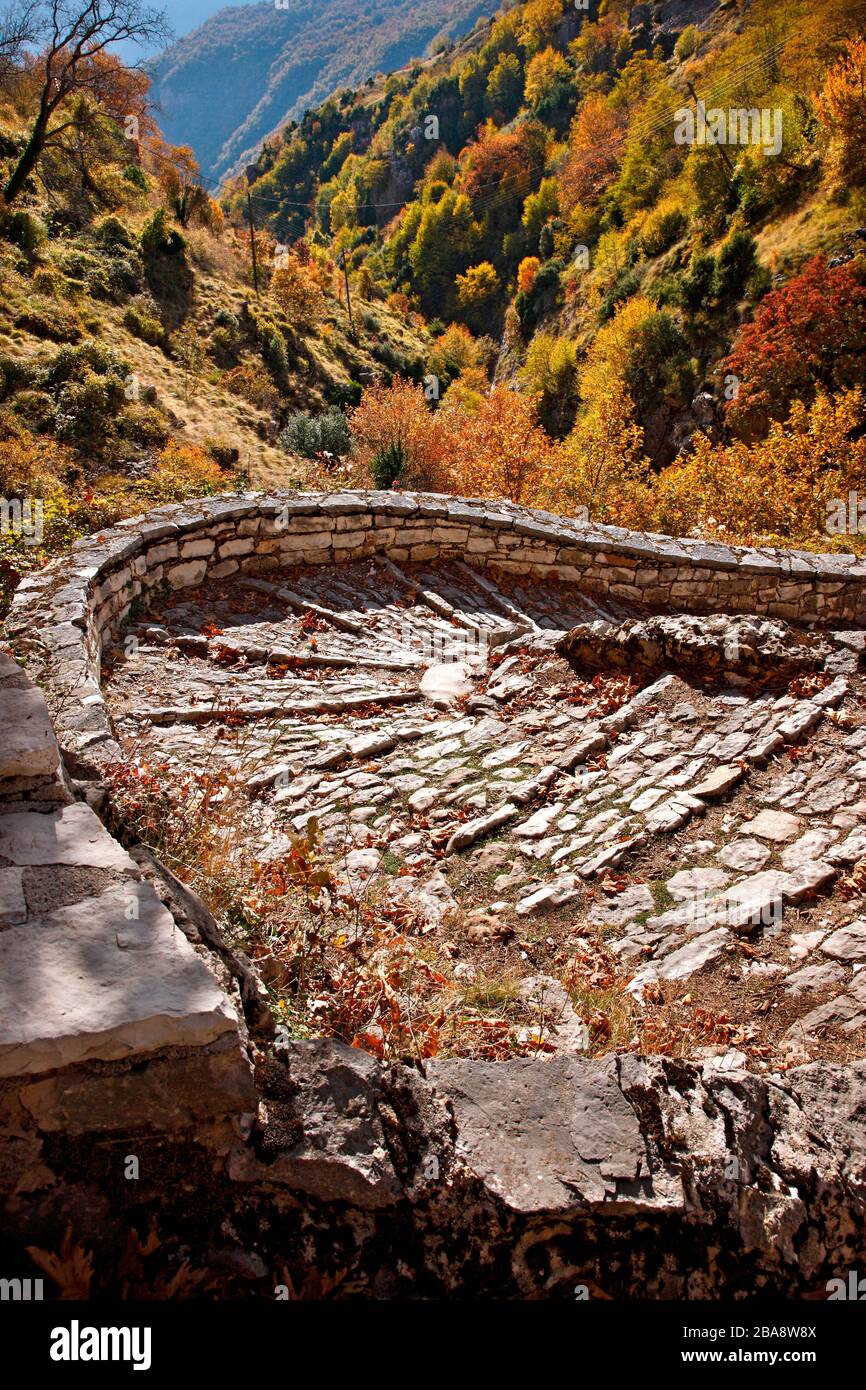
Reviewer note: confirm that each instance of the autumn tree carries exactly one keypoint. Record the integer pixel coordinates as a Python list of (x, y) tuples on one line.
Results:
[(296, 291), (179, 177), (807, 335), (499, 449), (526, 273), (456, 351), (595, 145), (599, 471), (841, 107), (784, 489), (538, 209), (478, 293), (540, 21), (65, 57), (398, 437), (550, 375), (505, 87)]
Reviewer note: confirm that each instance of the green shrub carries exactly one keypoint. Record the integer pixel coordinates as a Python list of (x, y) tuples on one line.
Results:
[(15, 373), (736, 263), (662, 231), (687, 44), (87, 409), (88, 270), (315, 434), (110, 232), (144, 425), (145, 327), (387, 464), (24, 229), (346, 394), (35, 409), (159, 238), (132, 174), (125, 276), (276, 356), (45, 319), (74, 363)]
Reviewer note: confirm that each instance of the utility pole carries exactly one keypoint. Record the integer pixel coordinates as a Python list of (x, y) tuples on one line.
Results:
[(726, 158), (253, 243), (345, 268)]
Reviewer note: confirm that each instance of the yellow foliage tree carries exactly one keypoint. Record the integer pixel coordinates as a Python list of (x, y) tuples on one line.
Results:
[(296, 291), (600, 470), (841, 107), (479, 285), (542, 72), (541, 18), (786, 488)]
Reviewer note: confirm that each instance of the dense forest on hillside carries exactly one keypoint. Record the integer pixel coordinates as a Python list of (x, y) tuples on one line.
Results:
[(551, 297), (250, 68), (685, 318)]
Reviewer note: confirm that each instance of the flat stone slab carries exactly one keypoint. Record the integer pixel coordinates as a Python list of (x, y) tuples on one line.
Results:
[(544, 1137), (446, 681), (746, 856), (848, 943), (28, 747), (693, 883), (777, 826), (110, 977), (72, 835), (718, 782)]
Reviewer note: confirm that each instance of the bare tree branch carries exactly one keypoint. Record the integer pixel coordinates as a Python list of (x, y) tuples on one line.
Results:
[(68, 37)]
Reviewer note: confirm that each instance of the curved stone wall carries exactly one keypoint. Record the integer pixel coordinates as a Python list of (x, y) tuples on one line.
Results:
[(61, 616), (126, 1022)]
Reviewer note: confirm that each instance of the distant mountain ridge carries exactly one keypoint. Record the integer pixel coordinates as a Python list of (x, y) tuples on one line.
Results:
[(249, 69)]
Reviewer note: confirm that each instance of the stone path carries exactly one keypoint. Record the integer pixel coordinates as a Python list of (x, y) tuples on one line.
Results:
[(426, 720)]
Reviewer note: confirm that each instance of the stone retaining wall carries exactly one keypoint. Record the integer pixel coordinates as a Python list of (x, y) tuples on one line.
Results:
[(125, 1022), (61, 616)]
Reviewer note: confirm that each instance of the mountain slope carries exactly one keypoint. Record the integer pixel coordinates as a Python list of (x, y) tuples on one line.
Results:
[(251, 68)]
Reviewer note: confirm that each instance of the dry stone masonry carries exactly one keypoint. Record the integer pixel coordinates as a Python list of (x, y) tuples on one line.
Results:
[(402, 668)]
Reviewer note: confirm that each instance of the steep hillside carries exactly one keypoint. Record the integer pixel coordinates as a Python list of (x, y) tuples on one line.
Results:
[(251, 68), (657, 292), (141, 356)]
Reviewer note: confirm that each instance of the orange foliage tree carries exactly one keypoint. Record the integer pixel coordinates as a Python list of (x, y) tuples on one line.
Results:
[(296, 290), (499, 449), (398, 436), (841, 107), (526, 273), (595, 147)]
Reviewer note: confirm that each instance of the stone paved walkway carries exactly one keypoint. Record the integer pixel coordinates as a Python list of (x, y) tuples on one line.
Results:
[(428, 723)]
